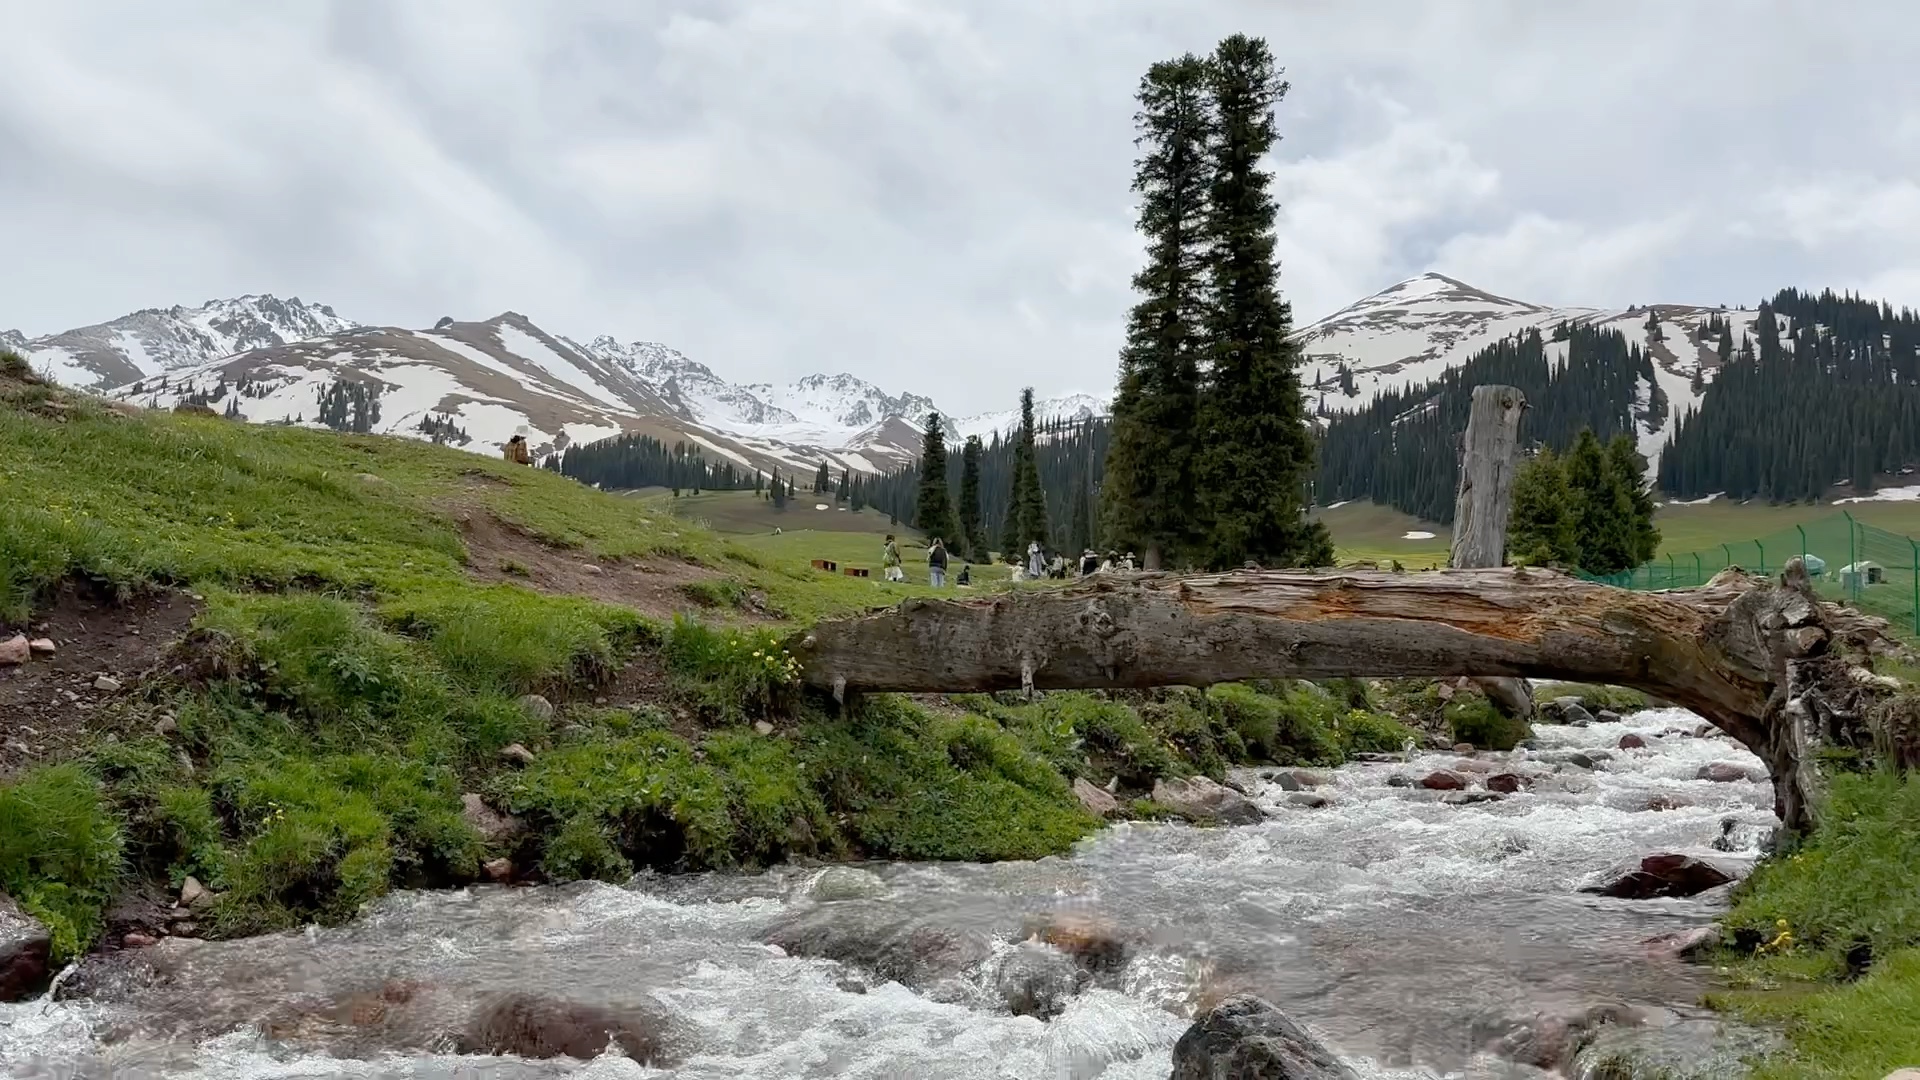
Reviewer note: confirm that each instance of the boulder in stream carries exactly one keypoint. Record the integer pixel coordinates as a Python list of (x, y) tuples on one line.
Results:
[(1724, 772), (1093, 800), (1245, 1038), (1443, 780), (25, 947), (1200, 799), (533, 1026), (1037, 980), (1630, 741), (1506, 783), (1663, 874)]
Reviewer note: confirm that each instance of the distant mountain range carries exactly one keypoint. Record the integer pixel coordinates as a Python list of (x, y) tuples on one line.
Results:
[(265, 359)]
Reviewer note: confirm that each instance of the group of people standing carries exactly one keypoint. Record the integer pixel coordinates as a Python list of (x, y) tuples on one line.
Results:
[(1037, 565)]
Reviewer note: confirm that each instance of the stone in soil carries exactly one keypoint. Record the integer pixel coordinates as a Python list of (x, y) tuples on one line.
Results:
[(516, 754), (493, 826), (537, 707), (14, 651), (107, 684), (1663, 874), (194, 895), (1245, 1038), (25, 948), (1200, 799), (42, 647), (1094, 800)]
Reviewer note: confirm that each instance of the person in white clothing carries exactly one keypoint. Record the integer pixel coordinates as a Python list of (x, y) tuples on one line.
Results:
[(1036, 561)]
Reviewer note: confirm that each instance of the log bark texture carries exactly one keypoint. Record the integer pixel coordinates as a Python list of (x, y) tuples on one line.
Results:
[(1483, 506), (1758, 658)]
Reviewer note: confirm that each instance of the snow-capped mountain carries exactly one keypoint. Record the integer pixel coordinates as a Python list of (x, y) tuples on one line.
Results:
[(1414, 331), (155, 340), (1071, 407), (13, 341)]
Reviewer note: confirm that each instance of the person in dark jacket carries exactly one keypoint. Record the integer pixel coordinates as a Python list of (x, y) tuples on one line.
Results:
[(937, 563)]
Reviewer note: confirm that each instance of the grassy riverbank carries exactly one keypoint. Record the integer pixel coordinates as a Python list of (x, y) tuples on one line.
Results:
[(288, 661), (1846, 982)]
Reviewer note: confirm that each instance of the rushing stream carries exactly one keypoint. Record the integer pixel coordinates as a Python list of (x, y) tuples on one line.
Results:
[(1391, 923)]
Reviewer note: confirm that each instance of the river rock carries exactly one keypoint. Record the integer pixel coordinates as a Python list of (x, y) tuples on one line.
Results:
[(1475, 766), (1547, 1040), (1723, 772), (499, 871), (1198, 798), (134, 939), (1666, 802), (1631, 741), (1036, 980), (1469, 798), (1684, 944), (1663, 874), (1093, 800), (1506, 783), (1607, 716), (493, 826), (1443, 780), (1096, 944), (1398, 780), (1463, 748), (1573, 715), (914, 948), (14, 651), (1307, 799), (846, 883), (1284, 780), (1245, 1038), (533, 1026), (25, 947)]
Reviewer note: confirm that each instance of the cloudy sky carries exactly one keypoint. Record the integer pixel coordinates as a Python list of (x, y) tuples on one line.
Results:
[(932, 194)]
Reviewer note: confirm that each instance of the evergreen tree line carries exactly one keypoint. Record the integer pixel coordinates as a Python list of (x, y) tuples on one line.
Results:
[(1403, 449), (1826, 390), (634, 460), (1211, 452), (989, 509), (349, 405), (441, 428), (1590, 509)]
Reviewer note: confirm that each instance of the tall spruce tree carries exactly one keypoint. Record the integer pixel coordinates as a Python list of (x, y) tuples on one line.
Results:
[(933, 513), (1148, 495), (1080, 532), (777, 491), (846, 478), (1256, 450), (1541, 530), (1027, 506), (1602, 508), (1630, 471), (973, 532)]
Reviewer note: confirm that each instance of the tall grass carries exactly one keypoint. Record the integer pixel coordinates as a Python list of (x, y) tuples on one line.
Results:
[(60, 852)]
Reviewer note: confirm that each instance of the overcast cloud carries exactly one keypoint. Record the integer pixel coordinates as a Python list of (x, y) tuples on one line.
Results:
[(932, 194)]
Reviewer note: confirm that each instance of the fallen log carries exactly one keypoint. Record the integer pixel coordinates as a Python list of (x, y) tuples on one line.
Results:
[(1765, 661)]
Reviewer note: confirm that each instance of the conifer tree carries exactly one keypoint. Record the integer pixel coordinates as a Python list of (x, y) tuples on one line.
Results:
[(973, 533), (779, 491), (840, 494), (933, 513), (1080, 532), (1148, 496), (1603, 508), (1541, 529), (1027, 506), (1630, 471), (1256, 450), (822, 479)]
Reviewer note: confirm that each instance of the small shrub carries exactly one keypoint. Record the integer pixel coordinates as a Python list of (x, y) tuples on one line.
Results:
[(1291, 727), (1473, 719), (1362, 732), (732, 674), (714, 592), (1593, 697), (60, 852)]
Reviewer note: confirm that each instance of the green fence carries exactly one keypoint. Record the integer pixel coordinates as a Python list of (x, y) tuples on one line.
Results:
[(1874, 570)]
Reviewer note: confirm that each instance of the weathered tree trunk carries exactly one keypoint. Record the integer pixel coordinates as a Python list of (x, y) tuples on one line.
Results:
[(1754, 656), (1483, 505)]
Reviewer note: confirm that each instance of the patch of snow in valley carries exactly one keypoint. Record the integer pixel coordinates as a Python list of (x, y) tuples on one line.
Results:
[(1701, 501), (1892, 494), (1416, 534)]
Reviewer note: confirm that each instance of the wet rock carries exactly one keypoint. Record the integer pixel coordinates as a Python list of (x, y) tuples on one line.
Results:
[(846, 883), (1374, 757), (1663, 874), (1607, 716), (1307, 800), (1443, 780), (1573, 715), (1506, 783), (1284, 780), (1200, 799), (915, 949), (1469, 798), (494, 827), (1094, 800), (1397, 780), (1475, 766), (850, 986), (1463, 748), (1245, 1038), (25, 947), (1632, 742), (107, 684), (1094, 943), (499, 871), (1036, 980), (1666, 802), (134, 939), (42, 647), (1669, 1046), (537, 707), (1548, 1040), (14, 651), (532, 1026), (1684, 944), (1723, 772), (1574, 758), (1704, 731), (516, 754)]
